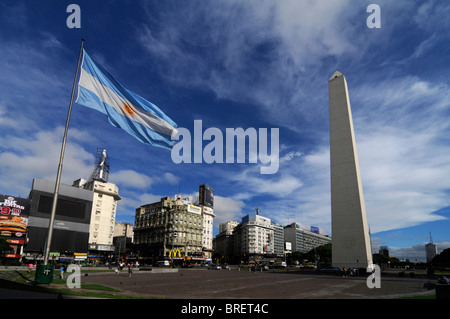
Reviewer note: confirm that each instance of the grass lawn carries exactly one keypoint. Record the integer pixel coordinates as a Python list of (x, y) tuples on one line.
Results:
[(23, 280)]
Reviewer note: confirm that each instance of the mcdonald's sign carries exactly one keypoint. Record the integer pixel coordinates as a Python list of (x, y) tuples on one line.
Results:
[(174, 253)]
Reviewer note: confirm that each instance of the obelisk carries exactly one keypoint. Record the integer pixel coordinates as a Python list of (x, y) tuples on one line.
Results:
[(350, 234)]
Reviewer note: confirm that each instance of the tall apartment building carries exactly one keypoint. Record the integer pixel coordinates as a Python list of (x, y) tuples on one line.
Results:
[(207, 238), (103, 215), (278, 239), (254, 236), (303, 240)]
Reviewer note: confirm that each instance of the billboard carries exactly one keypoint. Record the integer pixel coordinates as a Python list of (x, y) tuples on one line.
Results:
[(206, 196), (14, 214), (194, 209), (314, 229)]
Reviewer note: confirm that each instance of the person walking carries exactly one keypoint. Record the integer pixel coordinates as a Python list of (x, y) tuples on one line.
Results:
[(61, 272), (130, 269)]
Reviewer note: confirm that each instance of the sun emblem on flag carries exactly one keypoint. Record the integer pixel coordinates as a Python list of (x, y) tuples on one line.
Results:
[(128, 109)]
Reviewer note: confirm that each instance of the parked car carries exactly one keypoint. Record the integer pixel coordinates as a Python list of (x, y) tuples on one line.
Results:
[(162, 263), (330, 270), (214, 266), (262, 267)]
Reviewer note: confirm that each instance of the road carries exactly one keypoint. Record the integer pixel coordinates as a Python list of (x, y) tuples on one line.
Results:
[(224, 284)]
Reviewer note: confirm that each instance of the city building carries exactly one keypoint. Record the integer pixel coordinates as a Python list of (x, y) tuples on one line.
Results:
[(384, 250), (278, 240), (72, 220), (169, 229), (431, 251), (224, 241), (104, 207), (122, 238), (207, 238), (206, 202), (103, 215), (254, 238), (303, 240)]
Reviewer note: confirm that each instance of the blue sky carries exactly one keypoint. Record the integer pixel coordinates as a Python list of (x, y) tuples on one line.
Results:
[(242, 64)]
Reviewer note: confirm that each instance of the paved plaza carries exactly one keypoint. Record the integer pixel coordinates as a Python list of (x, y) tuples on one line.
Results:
[(235, 284)]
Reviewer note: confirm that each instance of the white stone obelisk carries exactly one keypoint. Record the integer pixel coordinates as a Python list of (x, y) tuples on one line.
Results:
[(350, 234)]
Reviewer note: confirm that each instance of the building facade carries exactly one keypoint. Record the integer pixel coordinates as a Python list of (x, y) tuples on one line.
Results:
[(430, 251), (207, 238), (72, 219), (169, 229), (224, 241), (103, 215), (278, 240), (123, 237), (303, 240), (254, 236)]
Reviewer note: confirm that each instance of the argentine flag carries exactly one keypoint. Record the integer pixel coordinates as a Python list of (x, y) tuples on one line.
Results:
[(142, 119)]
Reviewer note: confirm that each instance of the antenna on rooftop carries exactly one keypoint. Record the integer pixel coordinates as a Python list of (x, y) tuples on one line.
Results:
[(101, 170), (257, 210)]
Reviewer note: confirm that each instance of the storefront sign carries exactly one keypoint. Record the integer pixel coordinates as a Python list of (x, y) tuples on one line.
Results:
[(13, 217)]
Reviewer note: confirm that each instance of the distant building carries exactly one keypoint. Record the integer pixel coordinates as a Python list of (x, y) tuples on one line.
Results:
[(224, 241), (278, 240), (123, 237), (431, 251), (384, 250), (303, 240), (207, 238)]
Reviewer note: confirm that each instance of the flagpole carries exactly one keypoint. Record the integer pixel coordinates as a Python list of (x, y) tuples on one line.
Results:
[(58, 175)]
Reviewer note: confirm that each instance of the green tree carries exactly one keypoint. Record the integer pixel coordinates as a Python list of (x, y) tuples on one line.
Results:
[(442, 259)]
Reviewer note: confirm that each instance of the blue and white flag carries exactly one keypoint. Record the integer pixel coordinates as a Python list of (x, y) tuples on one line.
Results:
[(142, 119)]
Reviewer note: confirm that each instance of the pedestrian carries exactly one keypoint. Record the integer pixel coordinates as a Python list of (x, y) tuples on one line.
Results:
[(117, 270), (61, 272), (443, 280), (130, 269), (30, 267)]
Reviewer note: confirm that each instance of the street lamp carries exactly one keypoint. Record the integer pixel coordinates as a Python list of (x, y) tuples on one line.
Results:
[(173, 235)]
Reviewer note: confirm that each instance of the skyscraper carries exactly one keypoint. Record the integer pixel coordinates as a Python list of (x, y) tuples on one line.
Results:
[(350, 233)]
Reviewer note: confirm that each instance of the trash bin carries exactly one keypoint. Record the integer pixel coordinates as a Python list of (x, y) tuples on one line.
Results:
[(44, 274)]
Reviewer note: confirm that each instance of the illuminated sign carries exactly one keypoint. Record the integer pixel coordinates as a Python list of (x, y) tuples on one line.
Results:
[(13, 217), (173, 253)]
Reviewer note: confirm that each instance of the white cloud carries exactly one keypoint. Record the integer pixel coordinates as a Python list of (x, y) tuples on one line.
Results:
[(26, 157), (131, 178), (403, 156), (227, 209)]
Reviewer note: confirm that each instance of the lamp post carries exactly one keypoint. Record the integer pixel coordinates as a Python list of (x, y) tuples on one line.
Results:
[(173, 235)]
